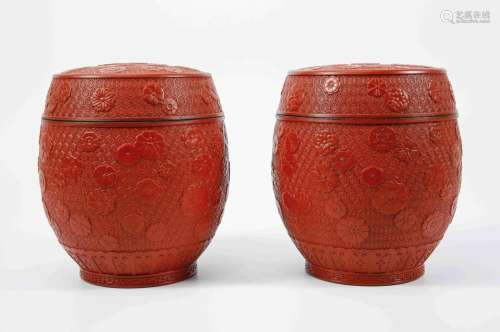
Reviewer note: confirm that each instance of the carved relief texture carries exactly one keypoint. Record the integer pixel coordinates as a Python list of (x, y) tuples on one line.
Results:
[(367, 197), (133, 198)]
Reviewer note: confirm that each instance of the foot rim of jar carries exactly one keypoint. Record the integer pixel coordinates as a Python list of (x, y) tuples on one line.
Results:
[(138, 281), (365, 279)]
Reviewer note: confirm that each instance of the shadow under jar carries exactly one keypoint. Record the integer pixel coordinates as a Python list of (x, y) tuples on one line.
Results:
[(367, 168), (133, 170)]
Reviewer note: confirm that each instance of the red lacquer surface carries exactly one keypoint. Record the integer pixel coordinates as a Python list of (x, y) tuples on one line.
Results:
[(367, 168), (133, 170)]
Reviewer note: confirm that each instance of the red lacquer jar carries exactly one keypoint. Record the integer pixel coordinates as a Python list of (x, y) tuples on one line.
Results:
[(366, 168), (133, 170)]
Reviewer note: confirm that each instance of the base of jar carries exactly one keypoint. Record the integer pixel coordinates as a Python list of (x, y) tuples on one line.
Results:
[(365, 279), (138, 281)]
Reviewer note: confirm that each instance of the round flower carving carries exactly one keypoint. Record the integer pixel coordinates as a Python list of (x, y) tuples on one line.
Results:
[(105, 175), (343, 160), (147, 190), (434, 91), (372, 176), (390, 198), (170, 105), (150, 144), (407, 219), (133, 224), (295, 100), (325, 178), (331, 85), (166, 169), (325, 142), (127, 154), (407, 151), (193, 137), (397, 100), (58, 95), (352, 231), (71, 168), (102, 100), (334, 206), (376, 87), (434, 225), (383, 139), (80, 225), (89, 142), (153, 94), (291, 143)]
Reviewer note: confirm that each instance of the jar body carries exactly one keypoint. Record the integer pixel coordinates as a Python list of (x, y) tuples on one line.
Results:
[(366, 199), (134, 201)]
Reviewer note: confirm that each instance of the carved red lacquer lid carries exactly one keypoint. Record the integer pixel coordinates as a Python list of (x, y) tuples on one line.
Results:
[(131, 92), (367, 91)]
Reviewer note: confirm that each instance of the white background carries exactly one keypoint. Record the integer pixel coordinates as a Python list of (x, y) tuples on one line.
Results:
[(251, 278)]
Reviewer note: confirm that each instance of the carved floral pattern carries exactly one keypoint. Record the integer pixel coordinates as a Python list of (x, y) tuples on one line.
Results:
[(153, 94), (89, 142), (352, 231), (390, 198), (376, 87), (331, 85), (383, 139), (102, 100), (397, 100)]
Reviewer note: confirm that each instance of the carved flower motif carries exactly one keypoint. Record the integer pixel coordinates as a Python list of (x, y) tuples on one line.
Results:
[(434, 225), (166, 169), (127, 154), (101, 201), (102, 101), (150, 144), (134, 224), (71, 168), (295, 100), (80, 225), (291, 143), (58, 95), (343, 160), (407, 219), (325, 142), (153, 94), (193, 137), (334, 206), (397, 100), (376, 87), (390, 198), (434, 91), (331, 85), (89, 142), (147, 190), (325, 178), (372, 176), (352, 231), (383, 139), (105, 175), (170, 105), (407, 151)]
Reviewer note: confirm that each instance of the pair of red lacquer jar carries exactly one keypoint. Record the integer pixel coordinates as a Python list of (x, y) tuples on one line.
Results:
[(134, 169)]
